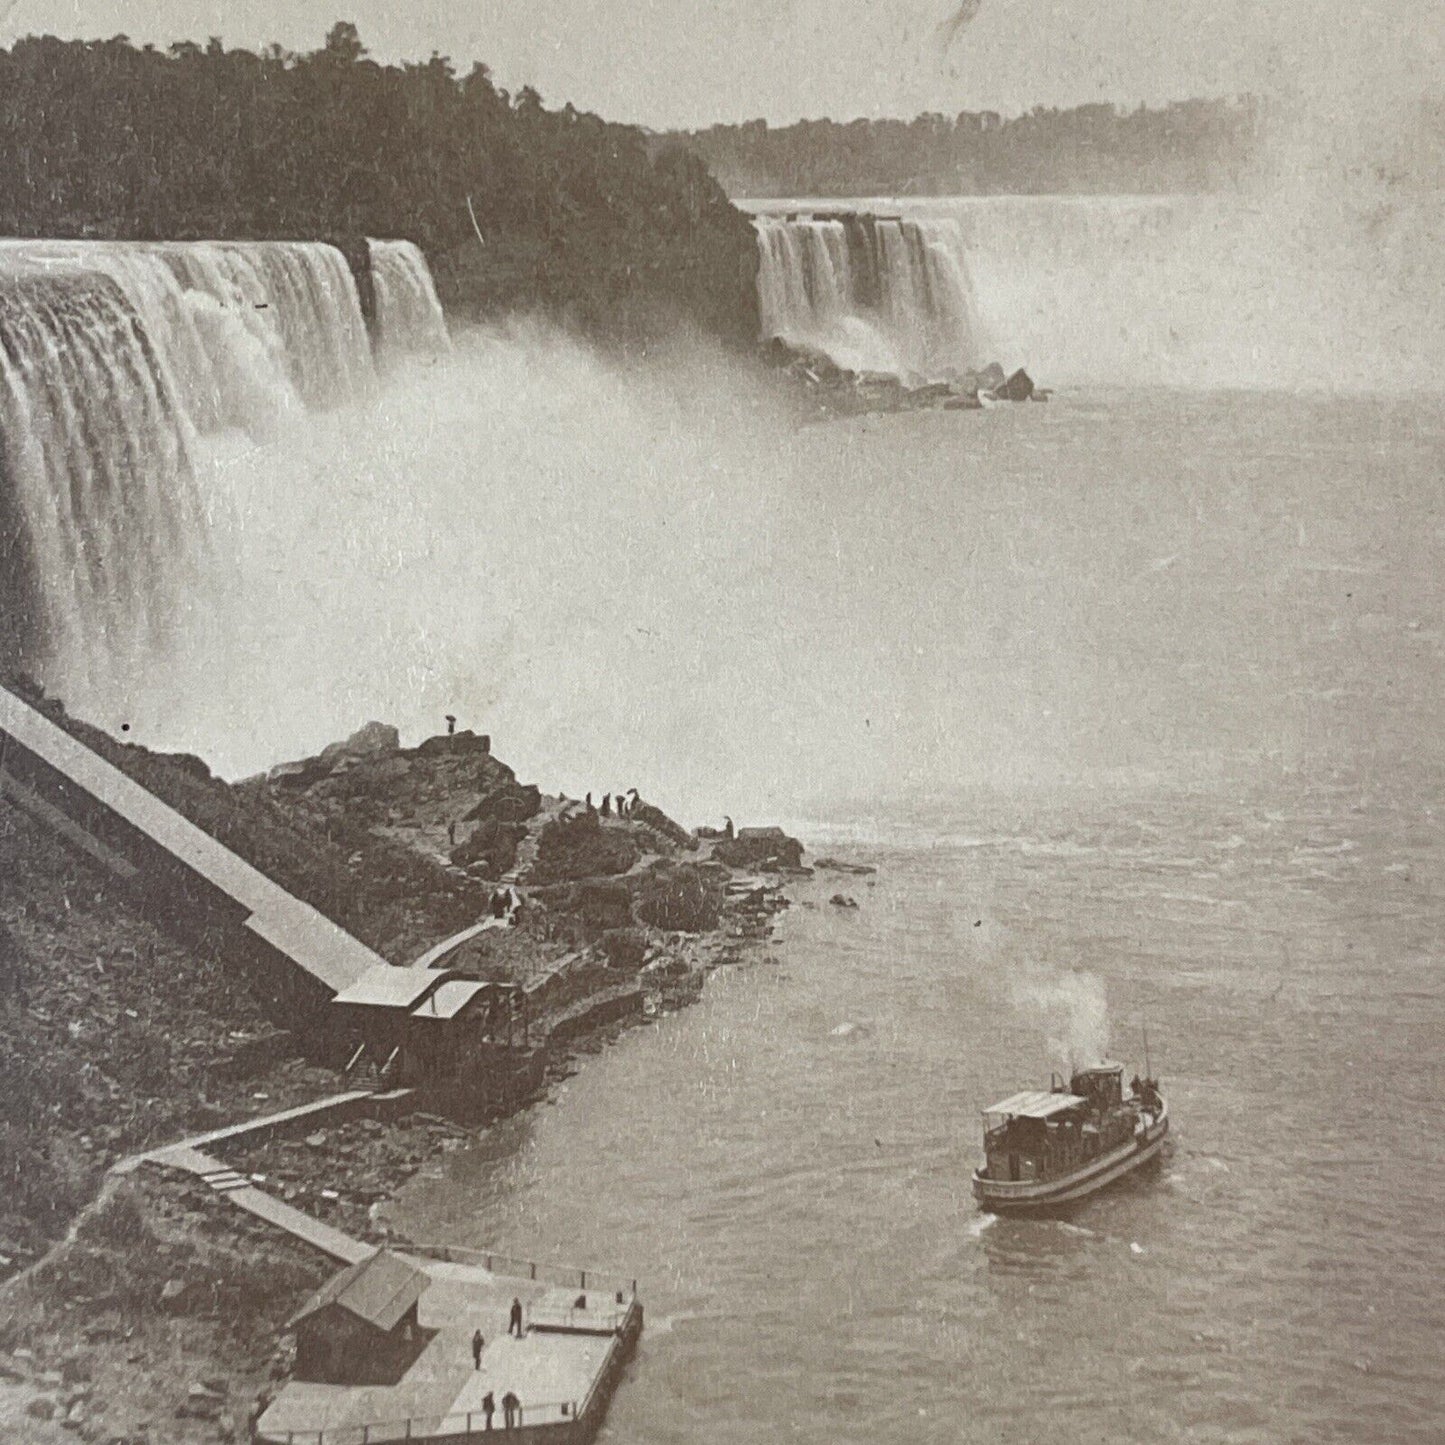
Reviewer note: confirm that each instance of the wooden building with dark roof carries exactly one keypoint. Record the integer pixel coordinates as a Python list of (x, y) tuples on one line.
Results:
[(361, 1328)]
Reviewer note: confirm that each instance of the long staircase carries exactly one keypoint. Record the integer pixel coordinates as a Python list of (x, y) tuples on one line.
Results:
[(518, 875)]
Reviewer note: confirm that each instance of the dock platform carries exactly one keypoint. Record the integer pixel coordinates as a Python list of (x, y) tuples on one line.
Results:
[(563, 1368)]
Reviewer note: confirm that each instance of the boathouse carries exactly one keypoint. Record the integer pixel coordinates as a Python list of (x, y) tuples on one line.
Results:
[(361, 1327)]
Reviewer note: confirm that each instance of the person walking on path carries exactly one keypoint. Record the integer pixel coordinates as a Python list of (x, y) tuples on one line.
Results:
[(514, 1321), (489, 1408), (477, 1343), (511, 1410)]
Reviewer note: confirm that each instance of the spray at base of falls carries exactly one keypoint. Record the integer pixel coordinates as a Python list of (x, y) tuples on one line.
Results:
[(1340, 291)]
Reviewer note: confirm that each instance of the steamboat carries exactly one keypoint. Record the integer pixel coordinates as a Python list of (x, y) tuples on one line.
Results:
[(1045, 1148)]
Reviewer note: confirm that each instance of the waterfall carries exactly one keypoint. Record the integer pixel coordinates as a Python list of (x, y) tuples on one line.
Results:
[(118, 363), (1336, 291), (872, 293), (409, 319), (97, 484)]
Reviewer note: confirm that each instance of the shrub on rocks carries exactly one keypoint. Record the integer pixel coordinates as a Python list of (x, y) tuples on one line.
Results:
[(580, 847), (679, 899)]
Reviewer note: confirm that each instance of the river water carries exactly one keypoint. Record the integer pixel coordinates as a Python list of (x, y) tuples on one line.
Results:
[(1164, 672)]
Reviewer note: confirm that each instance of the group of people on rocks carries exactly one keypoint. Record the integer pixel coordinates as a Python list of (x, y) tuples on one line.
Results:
[(511, 1405), (622, 804), (506, 902)]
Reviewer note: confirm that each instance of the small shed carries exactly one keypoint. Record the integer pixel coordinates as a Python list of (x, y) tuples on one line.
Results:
[(448, 1026), (360, 1328)]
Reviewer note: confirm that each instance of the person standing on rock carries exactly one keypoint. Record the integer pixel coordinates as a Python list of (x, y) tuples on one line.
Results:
[(607, 805), (477, 1343), (514, 1322)]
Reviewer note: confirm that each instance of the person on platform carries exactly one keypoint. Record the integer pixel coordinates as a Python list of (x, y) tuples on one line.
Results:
[(514, 1321), (477, 1343), (511, 1410), (489, 1408), (607, 805)]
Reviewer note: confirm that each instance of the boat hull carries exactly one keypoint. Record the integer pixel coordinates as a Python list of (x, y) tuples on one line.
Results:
[(1020, 1196)]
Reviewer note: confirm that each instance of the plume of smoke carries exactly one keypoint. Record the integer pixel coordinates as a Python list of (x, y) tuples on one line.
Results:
[(1073, 1011)]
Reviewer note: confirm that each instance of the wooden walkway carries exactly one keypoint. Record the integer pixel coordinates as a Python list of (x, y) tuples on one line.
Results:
[(189, 1157), (309, 940)]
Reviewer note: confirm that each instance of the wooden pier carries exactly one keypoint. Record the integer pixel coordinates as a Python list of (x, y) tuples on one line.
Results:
[(562, 1367)]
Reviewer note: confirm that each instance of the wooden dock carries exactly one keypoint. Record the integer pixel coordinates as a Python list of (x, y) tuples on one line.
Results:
[(563, 1368), (579, 1327)]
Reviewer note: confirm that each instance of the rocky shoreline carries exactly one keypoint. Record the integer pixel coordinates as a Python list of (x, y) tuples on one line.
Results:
[(156, 1316)]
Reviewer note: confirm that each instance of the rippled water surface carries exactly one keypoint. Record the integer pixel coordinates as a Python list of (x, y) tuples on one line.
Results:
[(785, 1166)]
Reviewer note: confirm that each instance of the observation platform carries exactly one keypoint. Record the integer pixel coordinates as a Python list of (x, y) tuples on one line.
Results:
[(563, 1368)]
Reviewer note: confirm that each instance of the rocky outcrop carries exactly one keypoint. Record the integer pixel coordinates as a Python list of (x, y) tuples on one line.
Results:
[(837, 865), (660, 824), (765, 849), (1019, 387), (509, 802), (369, 740), (579, 846), (491, 848), (838, 390)]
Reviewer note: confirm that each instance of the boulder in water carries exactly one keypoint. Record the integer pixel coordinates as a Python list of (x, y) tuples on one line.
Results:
[(1019, 387), (990, 378)]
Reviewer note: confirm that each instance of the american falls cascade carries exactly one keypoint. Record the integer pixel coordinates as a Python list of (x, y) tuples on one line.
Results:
[(1329, 290), (121, 364), (871, 293)]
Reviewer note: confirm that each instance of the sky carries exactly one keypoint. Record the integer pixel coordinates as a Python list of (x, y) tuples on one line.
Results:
[(670, 63)]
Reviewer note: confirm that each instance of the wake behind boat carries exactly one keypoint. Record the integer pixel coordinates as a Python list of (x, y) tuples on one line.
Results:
[(1046, 1148)]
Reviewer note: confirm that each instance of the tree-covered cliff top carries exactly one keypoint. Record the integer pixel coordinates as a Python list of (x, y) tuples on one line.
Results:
[(576, 215)]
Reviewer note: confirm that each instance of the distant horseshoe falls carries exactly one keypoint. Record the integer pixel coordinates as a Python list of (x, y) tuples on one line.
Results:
[(116, 360), (871, 293)]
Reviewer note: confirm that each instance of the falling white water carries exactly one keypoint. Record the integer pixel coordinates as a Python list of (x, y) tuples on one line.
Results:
[(873, 294), (409, 319), (1338, 289), (114, 359)]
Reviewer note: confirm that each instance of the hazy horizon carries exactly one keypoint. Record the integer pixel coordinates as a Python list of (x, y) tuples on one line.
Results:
[(671, 65)]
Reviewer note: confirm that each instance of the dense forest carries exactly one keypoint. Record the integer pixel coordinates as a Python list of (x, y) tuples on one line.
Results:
[(1195, 145), (576, 216)]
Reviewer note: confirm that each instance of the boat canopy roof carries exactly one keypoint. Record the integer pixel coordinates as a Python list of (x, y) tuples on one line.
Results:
[(1036, 1104)]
